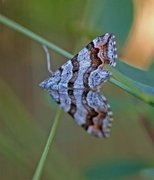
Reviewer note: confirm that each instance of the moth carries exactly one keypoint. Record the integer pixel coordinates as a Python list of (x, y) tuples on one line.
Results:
[(75, 86)]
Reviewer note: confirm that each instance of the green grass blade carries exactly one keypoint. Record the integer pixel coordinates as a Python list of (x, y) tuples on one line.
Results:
[(142, 91), (32, 35), (41, 163)]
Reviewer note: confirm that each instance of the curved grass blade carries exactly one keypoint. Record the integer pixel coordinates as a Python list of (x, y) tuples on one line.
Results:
[(51, 136), (142, 91)]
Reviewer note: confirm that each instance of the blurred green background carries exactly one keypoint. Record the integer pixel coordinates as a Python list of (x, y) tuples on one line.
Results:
[(27, 112)]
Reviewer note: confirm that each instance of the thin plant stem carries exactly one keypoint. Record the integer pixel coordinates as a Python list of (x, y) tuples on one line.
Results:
[(131, 87), (51, 136), (32, 35)]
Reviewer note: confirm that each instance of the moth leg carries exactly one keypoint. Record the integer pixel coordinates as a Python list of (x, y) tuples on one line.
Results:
[(48, 58)]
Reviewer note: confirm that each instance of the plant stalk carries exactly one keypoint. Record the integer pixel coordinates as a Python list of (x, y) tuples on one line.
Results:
[(51, 136)]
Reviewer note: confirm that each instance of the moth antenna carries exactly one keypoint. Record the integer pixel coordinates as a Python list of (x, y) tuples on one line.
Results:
[(48, 58)]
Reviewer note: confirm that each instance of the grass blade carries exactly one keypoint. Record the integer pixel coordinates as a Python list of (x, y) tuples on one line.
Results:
[(19, 28), (51, 136)]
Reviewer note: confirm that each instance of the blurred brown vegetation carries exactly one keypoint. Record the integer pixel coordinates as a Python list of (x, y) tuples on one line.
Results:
[(139, 47)]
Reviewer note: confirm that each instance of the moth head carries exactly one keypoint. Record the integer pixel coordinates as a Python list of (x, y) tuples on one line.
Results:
[(107, 48)]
